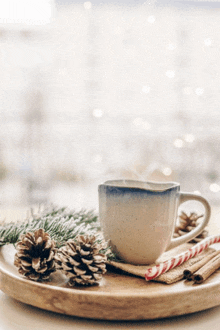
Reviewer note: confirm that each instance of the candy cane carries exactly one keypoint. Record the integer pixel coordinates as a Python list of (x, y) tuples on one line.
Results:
[(163, 267)]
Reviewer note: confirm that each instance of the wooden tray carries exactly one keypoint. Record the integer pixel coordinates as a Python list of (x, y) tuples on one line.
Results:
[(118, 297)]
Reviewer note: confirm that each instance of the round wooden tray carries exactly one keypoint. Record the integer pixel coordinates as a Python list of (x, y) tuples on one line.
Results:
[(117, 297)]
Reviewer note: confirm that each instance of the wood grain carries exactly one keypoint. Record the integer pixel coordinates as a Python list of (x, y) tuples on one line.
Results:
[(118, 297)]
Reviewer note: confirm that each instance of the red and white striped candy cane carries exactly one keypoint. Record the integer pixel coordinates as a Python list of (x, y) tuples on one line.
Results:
[(163, 267)]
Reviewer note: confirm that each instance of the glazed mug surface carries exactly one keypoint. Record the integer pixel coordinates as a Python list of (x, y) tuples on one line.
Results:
[(138, 218)]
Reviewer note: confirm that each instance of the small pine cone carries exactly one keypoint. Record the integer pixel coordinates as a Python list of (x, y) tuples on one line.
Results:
[(81, 261), (200, 237), (35, 255), (188, 223)]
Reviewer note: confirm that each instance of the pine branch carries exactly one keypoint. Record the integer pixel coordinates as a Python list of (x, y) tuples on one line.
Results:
[(59, 223)]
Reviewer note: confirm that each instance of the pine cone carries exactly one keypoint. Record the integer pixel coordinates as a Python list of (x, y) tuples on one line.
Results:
[(186, 224), (81, 261), (35, 255)]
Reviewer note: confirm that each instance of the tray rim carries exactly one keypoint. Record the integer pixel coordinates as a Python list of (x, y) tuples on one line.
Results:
[(71, 290), (84, 298)]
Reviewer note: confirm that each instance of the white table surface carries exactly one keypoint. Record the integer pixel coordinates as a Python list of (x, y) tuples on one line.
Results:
[(15, 315)]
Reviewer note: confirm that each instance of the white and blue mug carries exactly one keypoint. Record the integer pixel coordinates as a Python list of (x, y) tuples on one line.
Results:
[(138, 218)]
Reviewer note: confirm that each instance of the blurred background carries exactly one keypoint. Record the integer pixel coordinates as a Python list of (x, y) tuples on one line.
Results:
[(91, 91)]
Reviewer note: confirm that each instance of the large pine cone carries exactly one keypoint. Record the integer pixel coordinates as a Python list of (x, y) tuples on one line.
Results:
[(35, 255), (81, 261)]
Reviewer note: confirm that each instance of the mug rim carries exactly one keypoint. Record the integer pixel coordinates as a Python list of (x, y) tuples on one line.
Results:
[(149, 185)]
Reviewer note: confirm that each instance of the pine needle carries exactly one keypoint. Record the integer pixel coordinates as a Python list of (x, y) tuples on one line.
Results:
[(60, 223)]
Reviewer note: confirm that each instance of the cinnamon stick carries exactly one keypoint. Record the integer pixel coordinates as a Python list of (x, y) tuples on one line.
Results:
[(207, 270), (188, 272)]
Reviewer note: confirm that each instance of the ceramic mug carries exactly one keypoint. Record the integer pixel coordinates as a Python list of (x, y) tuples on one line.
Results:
[(138, 218)]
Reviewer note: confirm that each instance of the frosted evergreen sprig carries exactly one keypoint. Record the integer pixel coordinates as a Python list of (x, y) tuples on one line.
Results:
[(60, 223)]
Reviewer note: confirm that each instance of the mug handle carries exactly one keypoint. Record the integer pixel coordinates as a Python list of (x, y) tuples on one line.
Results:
[(183, 197)]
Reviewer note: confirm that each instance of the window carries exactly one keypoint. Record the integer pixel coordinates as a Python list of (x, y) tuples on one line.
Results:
[(104, 91)]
